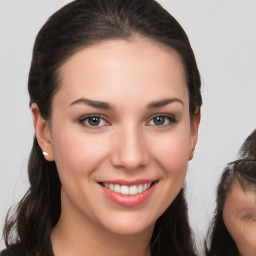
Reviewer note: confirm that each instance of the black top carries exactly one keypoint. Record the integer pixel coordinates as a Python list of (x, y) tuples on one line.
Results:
[(18, 250)]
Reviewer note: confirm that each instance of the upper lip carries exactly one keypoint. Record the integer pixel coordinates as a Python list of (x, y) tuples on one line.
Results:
[(129, 182)]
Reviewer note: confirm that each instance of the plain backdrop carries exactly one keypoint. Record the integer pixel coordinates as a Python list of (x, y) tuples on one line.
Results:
[(223, 36)]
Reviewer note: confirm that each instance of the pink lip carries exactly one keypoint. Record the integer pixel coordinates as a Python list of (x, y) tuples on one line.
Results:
[(128, 200)]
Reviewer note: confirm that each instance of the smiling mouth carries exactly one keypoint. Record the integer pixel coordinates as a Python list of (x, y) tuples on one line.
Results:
[(128, 190)]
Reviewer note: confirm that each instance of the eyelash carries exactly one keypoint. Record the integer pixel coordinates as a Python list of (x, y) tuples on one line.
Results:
[(170, 118), (249, 217), (84, 121)]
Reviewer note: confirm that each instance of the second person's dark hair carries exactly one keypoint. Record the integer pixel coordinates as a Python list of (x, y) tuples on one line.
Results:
[(219, 241)]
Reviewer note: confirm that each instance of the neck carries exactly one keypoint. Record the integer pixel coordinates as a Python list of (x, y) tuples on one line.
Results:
[(76, 235)]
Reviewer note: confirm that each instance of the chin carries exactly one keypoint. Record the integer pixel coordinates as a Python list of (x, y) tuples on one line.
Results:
[(130, 226)]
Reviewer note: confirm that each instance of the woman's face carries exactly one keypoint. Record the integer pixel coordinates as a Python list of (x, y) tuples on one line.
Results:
[(239, 215), (121, 134)]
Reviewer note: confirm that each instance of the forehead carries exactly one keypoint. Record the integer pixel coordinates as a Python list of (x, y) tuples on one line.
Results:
[(240, 200), (117, 64)]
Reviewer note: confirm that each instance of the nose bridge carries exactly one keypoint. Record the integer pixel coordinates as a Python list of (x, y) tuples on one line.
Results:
[(130, 151)]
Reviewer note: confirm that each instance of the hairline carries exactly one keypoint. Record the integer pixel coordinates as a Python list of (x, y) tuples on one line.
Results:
[(134, 36)]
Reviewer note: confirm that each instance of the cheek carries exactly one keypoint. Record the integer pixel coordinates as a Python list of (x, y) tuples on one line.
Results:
[(172, 151), (245, 239), (171, 154), (243, 233), (78, 153)]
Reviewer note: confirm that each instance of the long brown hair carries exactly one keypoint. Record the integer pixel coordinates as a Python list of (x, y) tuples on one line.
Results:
[(219, 242), (79, 24)]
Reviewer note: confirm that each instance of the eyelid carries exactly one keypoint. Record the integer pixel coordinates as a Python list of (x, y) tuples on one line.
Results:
[(172, 119), (249, 216), (82, 120)]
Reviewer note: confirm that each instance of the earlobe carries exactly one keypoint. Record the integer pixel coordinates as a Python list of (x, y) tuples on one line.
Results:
[(194, 132), (43, 133)]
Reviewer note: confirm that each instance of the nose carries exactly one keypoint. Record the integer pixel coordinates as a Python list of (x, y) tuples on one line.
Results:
[(129, 151)]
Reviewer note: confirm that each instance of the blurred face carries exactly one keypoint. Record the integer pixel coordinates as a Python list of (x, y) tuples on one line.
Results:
[(121, 134), (239, 215)]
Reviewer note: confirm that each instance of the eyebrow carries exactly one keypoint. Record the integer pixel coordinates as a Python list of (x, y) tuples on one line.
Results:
[(105, 105), (92, 103), (164, 102)]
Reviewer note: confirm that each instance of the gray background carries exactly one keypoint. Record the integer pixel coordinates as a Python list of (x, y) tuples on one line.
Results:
[(223, 36)]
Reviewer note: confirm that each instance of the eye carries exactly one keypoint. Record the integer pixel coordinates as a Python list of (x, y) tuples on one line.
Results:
[(93, 121), (162, 120), (249, 217)]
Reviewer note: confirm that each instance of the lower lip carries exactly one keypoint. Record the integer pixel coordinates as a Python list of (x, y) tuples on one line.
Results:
[(129, 200)]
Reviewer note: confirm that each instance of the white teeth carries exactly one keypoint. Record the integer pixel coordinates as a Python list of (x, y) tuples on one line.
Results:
[(133, 190), (140, 188), (117, 188), (106, 185), (126, 190)]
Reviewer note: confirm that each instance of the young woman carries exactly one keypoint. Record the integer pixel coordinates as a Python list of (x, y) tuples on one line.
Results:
[(233, 229), (115, 98)]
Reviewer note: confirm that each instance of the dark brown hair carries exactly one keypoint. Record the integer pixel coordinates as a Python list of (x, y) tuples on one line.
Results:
[(244, 170), (77, 25)]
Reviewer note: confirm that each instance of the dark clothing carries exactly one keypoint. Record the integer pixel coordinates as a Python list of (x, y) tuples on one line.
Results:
[(18, 250)]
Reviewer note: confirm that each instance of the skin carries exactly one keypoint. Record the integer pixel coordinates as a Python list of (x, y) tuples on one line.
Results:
[(128, 144), (239, 215)]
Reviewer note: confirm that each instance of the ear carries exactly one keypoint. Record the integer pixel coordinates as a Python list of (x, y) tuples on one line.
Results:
[(43, 133), (194, 131)]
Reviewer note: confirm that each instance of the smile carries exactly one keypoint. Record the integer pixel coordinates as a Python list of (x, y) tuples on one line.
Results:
[(127, 190), (128, 193)]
